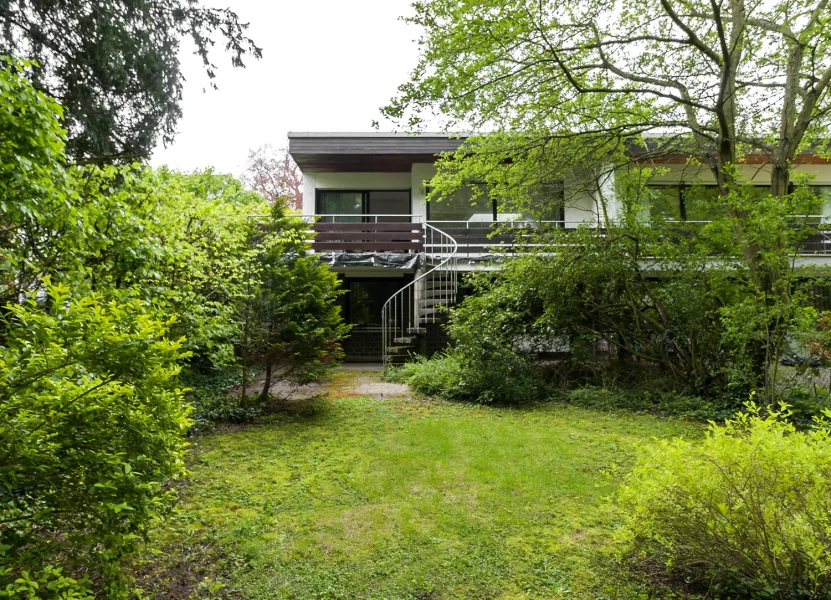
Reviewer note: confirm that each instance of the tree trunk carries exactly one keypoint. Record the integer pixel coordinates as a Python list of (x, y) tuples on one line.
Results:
[(780, 180), (266, 384)]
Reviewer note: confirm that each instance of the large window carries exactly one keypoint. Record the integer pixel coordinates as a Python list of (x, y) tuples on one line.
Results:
[(686, 202), (549, 203), (462, 207), (366, 298), (700, 202), (546, 205), (394, 204), (340, 203), (823, 207)]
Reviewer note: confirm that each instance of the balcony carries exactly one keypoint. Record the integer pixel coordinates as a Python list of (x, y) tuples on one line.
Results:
[(476, 240)]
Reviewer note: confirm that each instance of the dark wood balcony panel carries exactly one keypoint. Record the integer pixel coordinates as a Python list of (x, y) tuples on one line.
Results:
[(379, 246), (368, 237)]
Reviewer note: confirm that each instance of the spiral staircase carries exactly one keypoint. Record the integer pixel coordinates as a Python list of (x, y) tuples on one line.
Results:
[(407, 315)]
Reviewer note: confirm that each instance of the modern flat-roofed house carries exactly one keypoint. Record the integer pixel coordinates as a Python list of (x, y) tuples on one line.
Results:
[(400, 257)]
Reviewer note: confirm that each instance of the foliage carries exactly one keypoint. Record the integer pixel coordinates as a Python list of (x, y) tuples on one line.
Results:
[(112, 280), (412, 500), (454, 376), (91, 432), (554, 76), (293, 324), (746, 512), (211, 395), (275, 175), (118, 74), (650, 402), (653, 296)]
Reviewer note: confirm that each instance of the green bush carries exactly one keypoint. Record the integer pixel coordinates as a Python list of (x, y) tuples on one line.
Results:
[(91, 433), (745, 513), (505, 378), (211, 396)]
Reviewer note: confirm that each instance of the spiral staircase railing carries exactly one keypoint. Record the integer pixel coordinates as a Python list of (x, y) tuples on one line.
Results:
[(422, 300)]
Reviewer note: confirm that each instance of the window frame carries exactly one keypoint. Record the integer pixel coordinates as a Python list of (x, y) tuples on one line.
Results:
[(346, 282), (495, 204), (364, 198)]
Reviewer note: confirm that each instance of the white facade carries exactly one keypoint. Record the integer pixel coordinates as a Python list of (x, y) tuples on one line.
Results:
[(580, 206)]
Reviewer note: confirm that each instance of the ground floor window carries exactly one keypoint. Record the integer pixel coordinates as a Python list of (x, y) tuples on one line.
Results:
[(366, 297)]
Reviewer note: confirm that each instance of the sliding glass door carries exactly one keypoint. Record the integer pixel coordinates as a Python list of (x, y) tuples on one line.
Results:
[(340, 203), (393, 204)]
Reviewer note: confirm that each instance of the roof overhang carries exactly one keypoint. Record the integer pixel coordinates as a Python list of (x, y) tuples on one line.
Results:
[(368, 152)]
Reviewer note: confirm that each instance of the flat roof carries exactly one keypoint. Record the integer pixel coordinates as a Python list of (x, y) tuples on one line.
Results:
[(375, 134), (374, 151)]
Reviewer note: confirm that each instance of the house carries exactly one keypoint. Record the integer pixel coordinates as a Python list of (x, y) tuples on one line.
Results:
[(401, 258)]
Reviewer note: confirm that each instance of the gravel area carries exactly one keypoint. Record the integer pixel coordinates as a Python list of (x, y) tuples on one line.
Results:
[(348, 380)]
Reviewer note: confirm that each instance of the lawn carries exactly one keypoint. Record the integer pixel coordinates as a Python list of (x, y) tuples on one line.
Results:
[(394, 499)]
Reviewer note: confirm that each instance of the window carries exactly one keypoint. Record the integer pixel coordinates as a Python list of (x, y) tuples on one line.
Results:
[(463, 209), (366, 298), (665, 202), (549, 203), (823, 206), (680, 202), (394, 204), (700, 202), (340, 203)]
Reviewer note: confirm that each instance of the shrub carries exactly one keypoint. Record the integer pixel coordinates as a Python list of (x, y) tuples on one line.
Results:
[(747, 511), (659, 403), (91, 432), (213, 400), (455, 376)]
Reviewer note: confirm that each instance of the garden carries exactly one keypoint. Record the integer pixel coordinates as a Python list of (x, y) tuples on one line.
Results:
[(637, 407)]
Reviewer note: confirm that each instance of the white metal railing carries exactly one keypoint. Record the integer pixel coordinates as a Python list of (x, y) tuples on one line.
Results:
[(352, 218), (419, 301), (514, 224)]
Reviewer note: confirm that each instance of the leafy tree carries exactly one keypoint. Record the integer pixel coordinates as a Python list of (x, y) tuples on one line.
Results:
[(115, 279), (33, 183), (578, 85), (275, 175), (604, 96), (114, 66), (292, 318), (91, 431)]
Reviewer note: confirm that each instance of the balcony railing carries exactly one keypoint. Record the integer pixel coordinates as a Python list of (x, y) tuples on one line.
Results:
[(817, 242), (366, 233), (479, 240)]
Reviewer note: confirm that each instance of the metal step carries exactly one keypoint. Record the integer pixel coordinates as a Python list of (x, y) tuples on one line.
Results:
[(417, 330), (405, 350), (443, 284), (404, 341), (433, 302), (439, 293), (425, 312)]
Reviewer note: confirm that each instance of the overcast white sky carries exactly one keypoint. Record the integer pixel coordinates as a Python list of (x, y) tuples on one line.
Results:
[(327, 65)]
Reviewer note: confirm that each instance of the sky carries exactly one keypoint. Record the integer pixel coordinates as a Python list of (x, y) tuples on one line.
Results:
[(327, 65)]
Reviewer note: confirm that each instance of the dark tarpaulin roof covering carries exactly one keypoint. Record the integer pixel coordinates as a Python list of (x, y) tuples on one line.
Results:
[(386, 260)]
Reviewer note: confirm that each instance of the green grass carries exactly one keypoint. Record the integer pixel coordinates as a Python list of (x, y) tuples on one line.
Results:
[(361, 498)]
